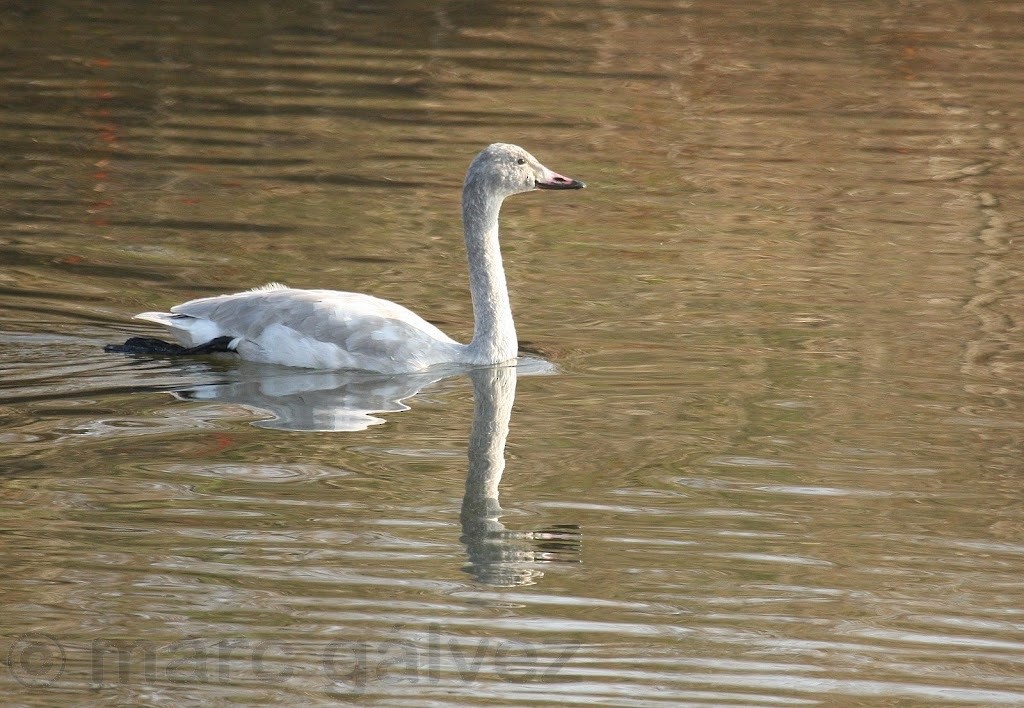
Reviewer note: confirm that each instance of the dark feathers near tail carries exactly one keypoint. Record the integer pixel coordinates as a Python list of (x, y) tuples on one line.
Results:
[(151, 345)]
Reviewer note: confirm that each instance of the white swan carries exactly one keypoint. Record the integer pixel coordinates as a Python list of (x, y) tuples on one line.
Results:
[(327, 329)]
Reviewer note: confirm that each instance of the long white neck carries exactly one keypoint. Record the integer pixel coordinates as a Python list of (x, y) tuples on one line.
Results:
[(494, 334)]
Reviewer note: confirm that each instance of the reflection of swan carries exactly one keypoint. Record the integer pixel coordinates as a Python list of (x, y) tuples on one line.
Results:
[(326, 329), (347, 400), (300, 399), (498, 556), (314, 400)]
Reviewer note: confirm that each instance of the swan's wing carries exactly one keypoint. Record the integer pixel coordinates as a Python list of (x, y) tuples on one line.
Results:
[(324, 328)]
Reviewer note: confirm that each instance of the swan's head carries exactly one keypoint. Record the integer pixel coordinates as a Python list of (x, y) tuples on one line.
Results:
[(504, 170)]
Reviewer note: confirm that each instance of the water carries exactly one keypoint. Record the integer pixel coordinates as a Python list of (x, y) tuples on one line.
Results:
[(776, 456)]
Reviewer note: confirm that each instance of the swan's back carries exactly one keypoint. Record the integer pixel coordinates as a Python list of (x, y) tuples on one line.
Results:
[(313, 328)]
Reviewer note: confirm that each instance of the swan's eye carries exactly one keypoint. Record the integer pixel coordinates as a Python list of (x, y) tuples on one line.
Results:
[(521, 161)]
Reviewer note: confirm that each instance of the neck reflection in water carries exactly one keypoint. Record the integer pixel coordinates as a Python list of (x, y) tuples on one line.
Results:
[(350, 400), (498, 556)]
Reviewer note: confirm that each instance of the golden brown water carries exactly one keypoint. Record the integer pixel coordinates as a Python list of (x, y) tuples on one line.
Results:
[(780, 461)]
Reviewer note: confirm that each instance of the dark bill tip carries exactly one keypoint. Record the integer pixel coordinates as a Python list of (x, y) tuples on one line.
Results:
[(560, 182)]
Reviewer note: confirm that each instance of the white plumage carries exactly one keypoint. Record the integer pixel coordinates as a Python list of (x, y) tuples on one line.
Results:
[(328, 329)]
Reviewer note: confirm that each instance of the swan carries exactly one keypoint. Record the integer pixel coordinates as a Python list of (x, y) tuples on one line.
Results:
[(328, 329)]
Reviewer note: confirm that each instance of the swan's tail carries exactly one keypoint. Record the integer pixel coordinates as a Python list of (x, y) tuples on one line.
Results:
[(187, 330)]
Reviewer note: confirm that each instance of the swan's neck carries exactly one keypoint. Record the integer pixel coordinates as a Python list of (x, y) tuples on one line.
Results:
[(494, 334)]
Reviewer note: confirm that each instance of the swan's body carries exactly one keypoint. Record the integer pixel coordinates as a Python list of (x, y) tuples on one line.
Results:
[(327, 329)]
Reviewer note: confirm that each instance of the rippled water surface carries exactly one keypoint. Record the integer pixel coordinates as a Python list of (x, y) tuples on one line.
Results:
[(766, 447)]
